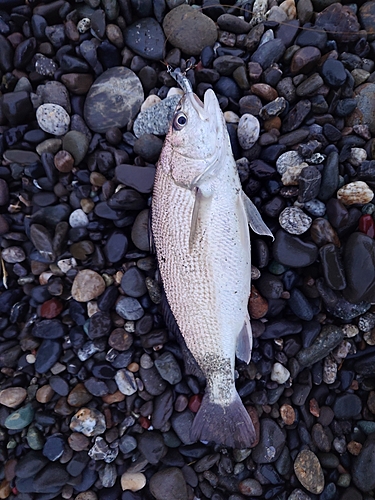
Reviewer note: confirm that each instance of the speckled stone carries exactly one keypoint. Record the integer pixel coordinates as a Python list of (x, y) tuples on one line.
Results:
[(294, 221), (53, 119), (89, 422), (113, 100), (357, 192), (157, 118), (248, 131), (309, 471), (133, 481), (87, 285)]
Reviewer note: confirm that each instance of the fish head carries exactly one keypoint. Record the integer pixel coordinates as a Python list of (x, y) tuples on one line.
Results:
[(196, 139)]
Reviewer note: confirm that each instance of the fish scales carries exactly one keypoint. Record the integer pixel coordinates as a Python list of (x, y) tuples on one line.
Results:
[(200, 230)]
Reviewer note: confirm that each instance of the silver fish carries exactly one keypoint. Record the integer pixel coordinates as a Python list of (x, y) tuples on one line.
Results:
[(200, 218)]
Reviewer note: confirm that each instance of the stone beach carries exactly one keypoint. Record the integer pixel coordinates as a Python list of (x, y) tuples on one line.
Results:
[(95, 403)]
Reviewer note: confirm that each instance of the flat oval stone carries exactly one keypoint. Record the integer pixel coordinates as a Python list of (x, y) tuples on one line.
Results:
[(87, 285), (360, 278), (12, 396), (329, 337), (291, 251), (48, 354), (20, 418), (304, 59), (248, 131), (53, 119), (181, 22), (333, 72), (309, 471), (146, 38), (113, 100), (363, 465)]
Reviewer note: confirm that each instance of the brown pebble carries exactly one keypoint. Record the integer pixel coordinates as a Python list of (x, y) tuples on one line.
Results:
[(354, 448), (272, 123), (13, 396), (288, 414), (371, 402), (10, 469), (64, 161), (78, 441), (97, 179), (264, 91), (116, 397), (77, 83), (87, 285), (258, 305), (120, 339), (322, 232), (79, 396), (5, 489), (113, 136), (314, 408), (62, 407), (309, 471), (71, 32), (133, 367), (114, 35), (255, 419), (44, 394)]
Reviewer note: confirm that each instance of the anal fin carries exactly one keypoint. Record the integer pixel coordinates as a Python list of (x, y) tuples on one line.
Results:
[(254, 218), (245, 342)]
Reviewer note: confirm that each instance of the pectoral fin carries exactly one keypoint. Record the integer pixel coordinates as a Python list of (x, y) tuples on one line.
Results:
[(254, 218), (201, 201), (245, 342)]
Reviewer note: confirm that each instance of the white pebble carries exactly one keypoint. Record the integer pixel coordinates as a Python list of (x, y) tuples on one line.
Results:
[(288, 159), (279, 373), (175, 91), (329, 370), (354, 193), (78, 218), (357, 156), (150, 101), (126, 382), (84, 25), (133, 481), (53, 119), (248, 131), (294, 221), (231, 117)]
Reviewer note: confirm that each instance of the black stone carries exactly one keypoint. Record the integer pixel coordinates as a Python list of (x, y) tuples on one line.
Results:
[(146, 38), (47, 355), (49, 329)]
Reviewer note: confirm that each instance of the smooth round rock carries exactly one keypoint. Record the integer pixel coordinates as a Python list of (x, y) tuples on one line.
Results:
[(291, 251), (53, 119), (347, 406), (248, 131), (13, 396), (309, 471), (113, 100), (360, 279), (333, 72), (133, 481), (20, 418), (87, 285), (181, 22), (294, 221), (13, 254), (169, 484), (146, 38), (363, 466)]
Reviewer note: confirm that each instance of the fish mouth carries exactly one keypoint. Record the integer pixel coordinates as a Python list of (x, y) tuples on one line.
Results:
[(197, 105)]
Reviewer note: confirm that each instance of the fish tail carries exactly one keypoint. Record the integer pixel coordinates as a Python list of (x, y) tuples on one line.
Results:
[(229, 424)]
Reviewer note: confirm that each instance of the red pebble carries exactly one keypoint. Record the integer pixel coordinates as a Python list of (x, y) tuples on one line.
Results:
[(367, 225), (51, 308), (14, 491), (145, 422), (195, 402)]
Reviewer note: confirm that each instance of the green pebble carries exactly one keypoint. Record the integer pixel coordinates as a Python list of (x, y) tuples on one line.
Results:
[(366, 426), (344, 480), (34, 438), (171, 440), (277, 268), (20, 418), (369, 208)]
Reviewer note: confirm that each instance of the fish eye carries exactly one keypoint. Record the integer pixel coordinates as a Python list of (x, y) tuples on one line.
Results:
[(179, 121)]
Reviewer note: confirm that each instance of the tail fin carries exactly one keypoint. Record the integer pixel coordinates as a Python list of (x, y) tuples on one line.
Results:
[(228, 425)]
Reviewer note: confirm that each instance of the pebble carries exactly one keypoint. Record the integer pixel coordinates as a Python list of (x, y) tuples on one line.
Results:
[(169, 484), (363, 465), (279, 373), (309, 472), (156, 119), (89, 422), (13, 254), (20, 418), (168, 368), (13, 396), (357, 192), (133, 481), (125, 381), (360, 280), (248, 131), (329, 338), (87, 285), (118, 89), (347, 406), (146, 38), (294, 220), (53, 119), (292, 251), (183, 20)]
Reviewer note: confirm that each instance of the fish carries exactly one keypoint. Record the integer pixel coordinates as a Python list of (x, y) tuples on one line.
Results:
[(200, 220)]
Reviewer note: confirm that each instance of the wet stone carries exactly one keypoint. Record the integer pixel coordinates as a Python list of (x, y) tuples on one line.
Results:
[(168, 368), (291, 251), (89, 422), (47, 355), (347, 406), (309, 472), (118, 89), (87, 285), (329, 338), (294, 221), (133, 283), (332, 267), (360, 279), (20, 418), (146, 38), (180, 22), (169, 484), (271, 443)]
